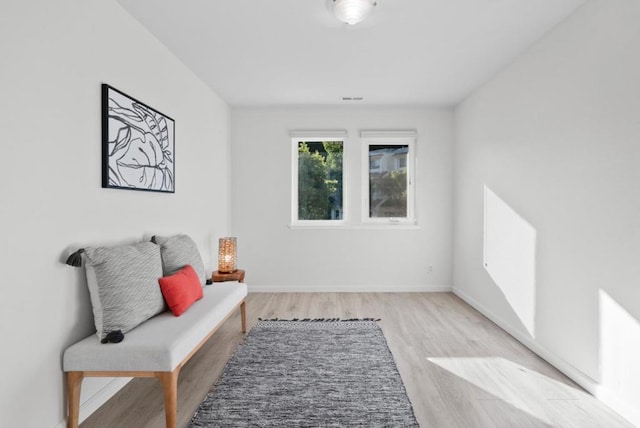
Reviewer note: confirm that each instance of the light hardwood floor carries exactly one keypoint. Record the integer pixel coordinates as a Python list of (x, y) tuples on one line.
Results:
[(460, 369)]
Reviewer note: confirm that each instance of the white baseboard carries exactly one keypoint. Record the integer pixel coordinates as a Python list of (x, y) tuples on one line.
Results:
[(94, 402), (590, 385), (253, 288)]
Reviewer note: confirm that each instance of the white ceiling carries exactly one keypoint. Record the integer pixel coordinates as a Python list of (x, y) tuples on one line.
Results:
[(294, 52)]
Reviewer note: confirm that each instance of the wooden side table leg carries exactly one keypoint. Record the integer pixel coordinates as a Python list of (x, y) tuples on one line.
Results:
[(243, 316)]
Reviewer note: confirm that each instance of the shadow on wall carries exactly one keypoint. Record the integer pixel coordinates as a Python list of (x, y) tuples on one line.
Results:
[(510, 257), (510, 260)]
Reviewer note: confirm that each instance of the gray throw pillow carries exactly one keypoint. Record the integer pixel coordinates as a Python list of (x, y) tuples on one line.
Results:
[(177, 252), (123, 285)]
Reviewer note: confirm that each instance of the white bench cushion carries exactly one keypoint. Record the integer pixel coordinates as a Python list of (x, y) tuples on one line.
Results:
[(162, 342)]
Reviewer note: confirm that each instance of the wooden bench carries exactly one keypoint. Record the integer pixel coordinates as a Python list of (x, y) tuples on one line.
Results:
[(158, 348)]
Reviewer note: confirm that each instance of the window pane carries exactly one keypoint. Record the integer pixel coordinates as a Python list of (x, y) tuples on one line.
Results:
[(320, 180), (388, 180)]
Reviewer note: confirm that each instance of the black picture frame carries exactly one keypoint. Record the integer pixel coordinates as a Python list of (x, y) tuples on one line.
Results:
[(138, 144)]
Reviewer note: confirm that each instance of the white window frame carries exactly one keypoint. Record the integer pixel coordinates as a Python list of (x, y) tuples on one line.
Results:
[(403, 138), (304, 136)]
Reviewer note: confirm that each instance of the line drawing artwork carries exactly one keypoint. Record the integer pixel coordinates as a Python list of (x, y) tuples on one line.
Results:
[(138, 144)]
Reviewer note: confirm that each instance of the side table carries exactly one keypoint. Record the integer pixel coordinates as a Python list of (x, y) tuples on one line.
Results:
[(237, 275)]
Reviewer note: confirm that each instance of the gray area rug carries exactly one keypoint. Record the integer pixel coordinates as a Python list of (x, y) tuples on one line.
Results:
[(310, 373)]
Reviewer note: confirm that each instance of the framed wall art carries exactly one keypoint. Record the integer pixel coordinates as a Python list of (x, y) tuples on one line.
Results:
[(138, 144)]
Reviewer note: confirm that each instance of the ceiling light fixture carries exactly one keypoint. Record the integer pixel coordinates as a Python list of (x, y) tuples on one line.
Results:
[(352, 11)]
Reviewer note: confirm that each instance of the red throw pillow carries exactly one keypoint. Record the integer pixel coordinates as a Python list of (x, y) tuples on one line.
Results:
[(181, 289)]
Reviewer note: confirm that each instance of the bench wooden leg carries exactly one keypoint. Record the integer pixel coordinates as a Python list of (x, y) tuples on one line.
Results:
[(170, 387), (243, 316), (74, 384)]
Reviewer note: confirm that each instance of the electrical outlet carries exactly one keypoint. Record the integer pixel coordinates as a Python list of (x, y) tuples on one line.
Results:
[(429, 269)]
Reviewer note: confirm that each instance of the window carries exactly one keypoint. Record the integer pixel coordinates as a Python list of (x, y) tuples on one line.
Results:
[(320, 163), (402, 162), (374, 162), (388, 182), (318, 190)]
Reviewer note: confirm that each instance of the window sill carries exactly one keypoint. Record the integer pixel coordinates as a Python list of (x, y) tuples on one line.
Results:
[(344, 226)]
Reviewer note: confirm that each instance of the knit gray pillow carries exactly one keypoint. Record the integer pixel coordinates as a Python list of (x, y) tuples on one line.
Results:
[(177, 252), (123, 285)]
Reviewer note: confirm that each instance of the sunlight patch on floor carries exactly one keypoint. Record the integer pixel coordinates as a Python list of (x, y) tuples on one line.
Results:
[(522, 388)]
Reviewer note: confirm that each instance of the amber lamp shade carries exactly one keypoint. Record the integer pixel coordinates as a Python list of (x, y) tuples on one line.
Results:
[(227, 255)]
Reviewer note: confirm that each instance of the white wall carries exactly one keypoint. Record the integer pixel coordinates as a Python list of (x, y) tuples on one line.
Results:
[(279, 258), (556, 136), (55, 55)]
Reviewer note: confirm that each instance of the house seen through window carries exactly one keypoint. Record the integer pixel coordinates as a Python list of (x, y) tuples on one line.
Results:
[(388, 183)]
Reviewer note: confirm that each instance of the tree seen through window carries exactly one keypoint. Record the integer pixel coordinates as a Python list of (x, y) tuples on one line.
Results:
[(320, 180)]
